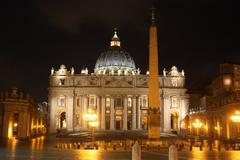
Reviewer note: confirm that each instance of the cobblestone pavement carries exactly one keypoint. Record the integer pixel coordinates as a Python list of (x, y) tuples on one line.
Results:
[(45, 149)]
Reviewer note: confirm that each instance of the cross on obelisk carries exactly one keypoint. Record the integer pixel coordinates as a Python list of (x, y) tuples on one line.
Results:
[(153, 82)]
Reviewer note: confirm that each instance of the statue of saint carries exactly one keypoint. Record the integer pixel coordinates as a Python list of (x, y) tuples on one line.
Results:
[(86, 70), (183, 73), (164, 72), (52, 71), (64, 124), (72, 71)]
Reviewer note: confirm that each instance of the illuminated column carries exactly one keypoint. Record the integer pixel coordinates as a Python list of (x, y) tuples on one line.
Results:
[(139, 114), (167, 113), (134, 113), (69, 112), (7, 125), (125, 113), (53, 104), (74, 111), (22, 132), (85, 110), (98, 112), (112, 116), (103, 114), (227, 130), (153, 84)]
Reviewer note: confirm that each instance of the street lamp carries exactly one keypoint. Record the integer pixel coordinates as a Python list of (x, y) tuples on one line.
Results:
[(197, 124), (91, 118), (236, 119)]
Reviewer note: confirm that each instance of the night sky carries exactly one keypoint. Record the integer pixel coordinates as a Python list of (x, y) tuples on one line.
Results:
[(39, 34)]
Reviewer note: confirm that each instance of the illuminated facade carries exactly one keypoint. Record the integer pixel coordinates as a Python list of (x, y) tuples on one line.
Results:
[(216, 104), (19, 116), (117, 92)]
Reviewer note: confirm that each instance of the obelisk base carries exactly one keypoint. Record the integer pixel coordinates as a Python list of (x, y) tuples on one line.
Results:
[(154, 126)]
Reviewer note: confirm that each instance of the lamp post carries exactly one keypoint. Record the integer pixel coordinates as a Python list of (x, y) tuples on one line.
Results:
[(197, 124), (236, 119), (91, 118)]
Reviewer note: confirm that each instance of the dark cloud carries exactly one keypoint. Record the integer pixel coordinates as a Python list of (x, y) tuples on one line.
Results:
[(37, 34), (71, 15)]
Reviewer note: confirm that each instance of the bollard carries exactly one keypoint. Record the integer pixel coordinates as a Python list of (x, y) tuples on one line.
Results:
[(159, 147), (219, 147), (190, 148), (114, 147), (200, 147), (227, 147), (136, 152), (96, 147), (78, 146), (173, 153), (148, 147), (74, 146), (210, 147)]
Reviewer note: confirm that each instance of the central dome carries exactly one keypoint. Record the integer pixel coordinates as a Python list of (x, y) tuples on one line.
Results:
[(115, 61)]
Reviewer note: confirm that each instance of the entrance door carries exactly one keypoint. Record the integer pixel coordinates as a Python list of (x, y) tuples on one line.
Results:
[(118, 122), (118, 125)]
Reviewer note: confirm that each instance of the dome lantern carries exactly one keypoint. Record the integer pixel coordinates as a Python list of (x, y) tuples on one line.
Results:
[(115, 42)]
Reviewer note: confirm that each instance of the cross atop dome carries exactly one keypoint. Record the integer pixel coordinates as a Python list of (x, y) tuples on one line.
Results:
[(153, 15), (115, 42)]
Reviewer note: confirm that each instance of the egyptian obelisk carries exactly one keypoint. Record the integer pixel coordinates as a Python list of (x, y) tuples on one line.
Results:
[(153, 82)]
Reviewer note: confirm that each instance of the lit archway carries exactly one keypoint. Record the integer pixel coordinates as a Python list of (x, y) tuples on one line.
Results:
[(63, 120)]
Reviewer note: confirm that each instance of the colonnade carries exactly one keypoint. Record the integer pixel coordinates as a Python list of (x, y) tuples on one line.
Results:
[(129, 114)]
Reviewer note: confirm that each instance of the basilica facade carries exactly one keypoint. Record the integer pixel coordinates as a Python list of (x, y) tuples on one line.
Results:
[(117, 92)]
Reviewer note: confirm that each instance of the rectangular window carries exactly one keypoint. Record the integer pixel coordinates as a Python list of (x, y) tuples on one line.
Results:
[(118, 102), (144, 102), (78, 102), (92, 102), (61, 102), (174, 102)]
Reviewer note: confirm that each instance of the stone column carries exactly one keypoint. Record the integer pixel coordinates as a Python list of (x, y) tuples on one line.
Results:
[(112, 116), (103, 123), (69, 112), (139, 114), (134, 113), (167, 114), (125, 113), (22, 123), (53, 102), (85, 110), (227, 130), (98, 112), (74, 111)]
